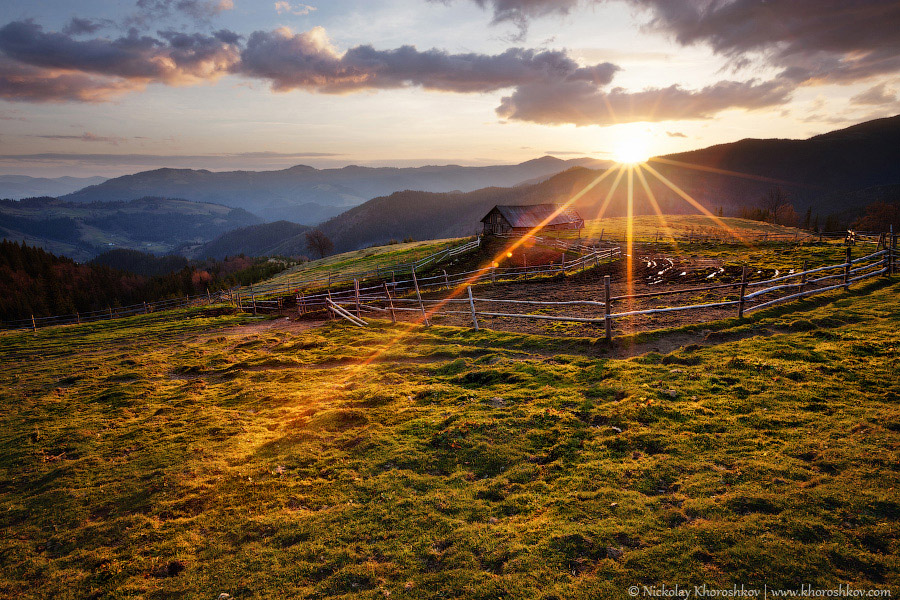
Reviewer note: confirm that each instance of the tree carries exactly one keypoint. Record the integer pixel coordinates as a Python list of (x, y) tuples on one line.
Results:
[(879, 217), (776, 203), (318, 243)]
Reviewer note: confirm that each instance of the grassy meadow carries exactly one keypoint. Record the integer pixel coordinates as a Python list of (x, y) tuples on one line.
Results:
[(156, 458), (364, 260), (645, 227)]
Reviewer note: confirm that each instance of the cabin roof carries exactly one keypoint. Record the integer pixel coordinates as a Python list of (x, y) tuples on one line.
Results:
[(534, 214)]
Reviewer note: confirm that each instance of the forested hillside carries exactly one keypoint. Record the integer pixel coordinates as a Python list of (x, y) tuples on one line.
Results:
[(36, 282)]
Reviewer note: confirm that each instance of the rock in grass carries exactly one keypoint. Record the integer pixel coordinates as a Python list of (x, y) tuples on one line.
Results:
[(614, 553), (672, 393)]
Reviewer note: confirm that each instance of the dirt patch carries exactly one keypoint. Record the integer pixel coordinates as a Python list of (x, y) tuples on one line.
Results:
[(288, 324)]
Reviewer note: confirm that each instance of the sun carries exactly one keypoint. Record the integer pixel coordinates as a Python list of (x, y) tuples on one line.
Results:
[(631, 152)]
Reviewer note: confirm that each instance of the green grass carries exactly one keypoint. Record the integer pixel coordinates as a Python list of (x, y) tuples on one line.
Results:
[(363, 260), (646, 227), (145, 458)]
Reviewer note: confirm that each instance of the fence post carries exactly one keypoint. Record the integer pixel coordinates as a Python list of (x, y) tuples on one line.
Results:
[(607, 309), (356, 295), (301, 305), (893, 250), (887, 258), (33, 324), (493, 273), (803, 277), (446, 279), (146, 310), (472, 306), (847, 268), (419, 296), (110, 311), (253, 299), (601, 234), (743, 292), (208, 297), (390, 303), (78, 318), (330, 302)]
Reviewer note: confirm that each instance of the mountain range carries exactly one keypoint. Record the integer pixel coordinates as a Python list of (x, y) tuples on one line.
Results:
[(836, 174), (82, 231), (308, 196), (16, 187)]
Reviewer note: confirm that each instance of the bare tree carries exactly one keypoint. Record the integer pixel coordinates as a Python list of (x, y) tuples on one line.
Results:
[(776, 203), (318, 243)]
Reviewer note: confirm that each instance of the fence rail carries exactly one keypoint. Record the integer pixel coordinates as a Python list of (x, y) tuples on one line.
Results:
[(882, 262)]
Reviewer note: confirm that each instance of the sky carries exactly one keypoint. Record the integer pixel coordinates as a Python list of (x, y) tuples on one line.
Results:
[(105, 87)]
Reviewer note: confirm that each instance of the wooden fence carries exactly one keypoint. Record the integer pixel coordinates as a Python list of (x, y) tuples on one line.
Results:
[(773, 291)]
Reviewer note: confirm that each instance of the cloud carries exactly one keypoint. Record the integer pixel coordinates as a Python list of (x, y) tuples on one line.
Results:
[(675, 134), (580, 103), (25, 83), (77, 26), (877, 95), (812, 41), (150, 11), (299, 10), (84, 137), (547, 86), (176, 58), (309, 61)]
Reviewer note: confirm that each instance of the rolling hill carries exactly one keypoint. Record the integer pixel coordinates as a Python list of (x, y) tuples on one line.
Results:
[(281, 238), (82, 231), (307, 195)]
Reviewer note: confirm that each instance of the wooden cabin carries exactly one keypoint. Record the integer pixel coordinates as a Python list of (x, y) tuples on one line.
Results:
[(519, 220)]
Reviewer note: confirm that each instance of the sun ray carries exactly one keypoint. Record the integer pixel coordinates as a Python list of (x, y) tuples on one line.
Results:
[(629, 234), (678, 163), (685, 196), (655, 205), (612, 190)]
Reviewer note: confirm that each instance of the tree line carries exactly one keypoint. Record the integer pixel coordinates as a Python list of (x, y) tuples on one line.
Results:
[(36, 282)]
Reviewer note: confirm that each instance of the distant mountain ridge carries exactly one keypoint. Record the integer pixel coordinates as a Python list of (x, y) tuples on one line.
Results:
[(308, 196), (82, 231), (17, 187)]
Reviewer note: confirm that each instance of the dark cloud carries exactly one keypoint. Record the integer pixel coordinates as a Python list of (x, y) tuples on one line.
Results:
[(177, 58), (308, 61), (580, 103), (813, 40), (77, 26), (877, 95)]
